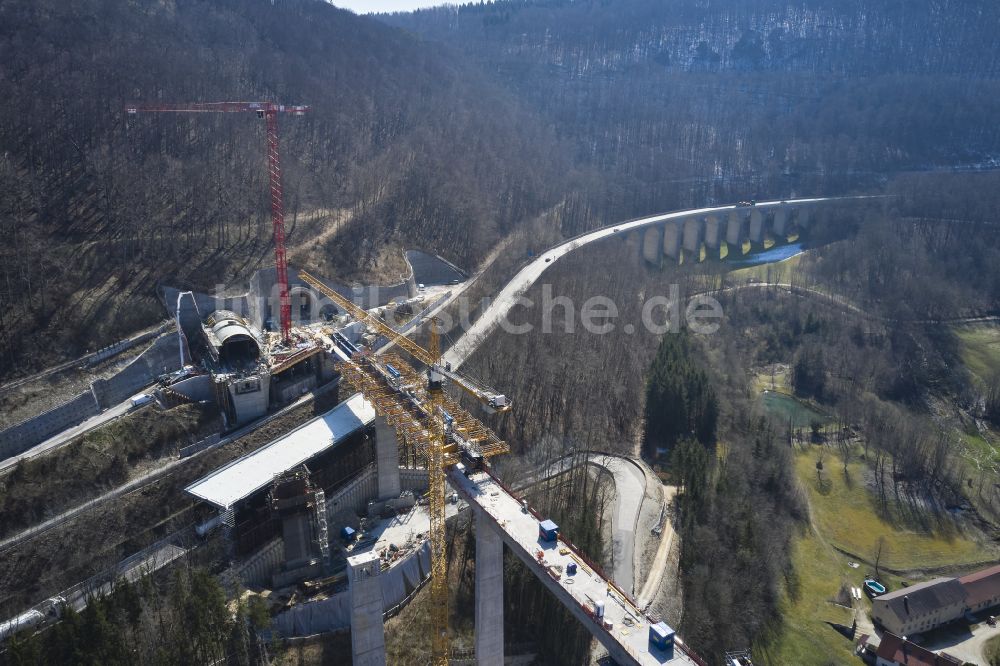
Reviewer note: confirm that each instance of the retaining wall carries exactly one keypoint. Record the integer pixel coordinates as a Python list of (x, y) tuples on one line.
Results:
[(162, 356), (413, 479), (21, 437), (355, 494), (260, 566)]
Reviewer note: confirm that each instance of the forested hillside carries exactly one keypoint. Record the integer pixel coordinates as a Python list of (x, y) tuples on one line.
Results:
[(404, 146), (688, 102)]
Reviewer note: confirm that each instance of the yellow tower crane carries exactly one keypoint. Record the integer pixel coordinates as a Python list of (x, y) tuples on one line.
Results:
[(427, 421)]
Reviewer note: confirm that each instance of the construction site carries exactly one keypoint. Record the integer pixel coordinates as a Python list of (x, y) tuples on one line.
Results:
[(338, 523)]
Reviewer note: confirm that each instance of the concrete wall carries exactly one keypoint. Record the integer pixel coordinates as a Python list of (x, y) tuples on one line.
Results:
[(413, 479), (22, 436), (286, 392), (354, 495), (253, 404), (334, 612), (197, 388), (161, 357), (257, 570)]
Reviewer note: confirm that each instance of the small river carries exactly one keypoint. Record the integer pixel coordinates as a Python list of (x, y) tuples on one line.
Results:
[(775, 254)]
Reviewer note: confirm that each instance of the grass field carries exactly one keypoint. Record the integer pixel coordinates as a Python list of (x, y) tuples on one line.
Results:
[(846, 514), (806, 636), (772, 378), (992, 651), (845, 517), (980, 350), (978, 449)]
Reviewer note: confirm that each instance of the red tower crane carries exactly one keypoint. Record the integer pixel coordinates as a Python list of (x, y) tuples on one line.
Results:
[(267, 111)]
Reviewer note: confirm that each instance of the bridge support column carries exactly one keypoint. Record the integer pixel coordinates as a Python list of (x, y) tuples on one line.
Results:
[(672, 233), (713, 232), (756, 226), (694, 232), (735, 231), (802, 217), (780, 223), (489, 593), (367, 632), (387, 457), (652, 242)]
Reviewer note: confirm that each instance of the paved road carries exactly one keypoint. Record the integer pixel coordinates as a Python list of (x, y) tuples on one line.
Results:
[(527, 276), (630, 488), (56, 441), (845, 304), (965, 642)]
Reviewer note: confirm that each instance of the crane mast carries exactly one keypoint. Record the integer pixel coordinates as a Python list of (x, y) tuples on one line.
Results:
[(267, 111), (423, 415), (436, 468)]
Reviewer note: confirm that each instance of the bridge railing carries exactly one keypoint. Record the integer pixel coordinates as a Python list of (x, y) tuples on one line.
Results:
[(691, 654)]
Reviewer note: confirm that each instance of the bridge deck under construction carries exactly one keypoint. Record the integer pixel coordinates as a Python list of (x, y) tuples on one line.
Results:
[(627, 639)]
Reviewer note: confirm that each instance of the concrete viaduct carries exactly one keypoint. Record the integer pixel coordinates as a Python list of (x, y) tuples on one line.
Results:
[(711, 231), (651, 236)]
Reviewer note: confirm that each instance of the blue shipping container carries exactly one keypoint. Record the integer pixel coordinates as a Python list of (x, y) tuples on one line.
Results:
[(347, 533), (661, 635), (548, 531)]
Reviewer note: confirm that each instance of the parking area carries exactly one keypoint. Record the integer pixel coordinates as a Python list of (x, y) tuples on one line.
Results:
[(961, 640)]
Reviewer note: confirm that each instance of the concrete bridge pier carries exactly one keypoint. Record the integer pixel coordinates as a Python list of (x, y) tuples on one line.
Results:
[(779, 224), (713, 233), (756, 226), (387, 456), (652, 241), (489, 593), (735, 232), (694, 231), (802, 218), (672, 240), (367, 632)]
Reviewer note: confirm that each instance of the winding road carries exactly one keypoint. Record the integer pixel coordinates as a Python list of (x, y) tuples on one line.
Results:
[(527, 276), (630, 489)]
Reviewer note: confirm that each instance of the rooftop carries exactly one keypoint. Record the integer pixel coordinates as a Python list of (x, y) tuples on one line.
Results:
[(981, 586), (923, 598), (902, 651), (244, 476)]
